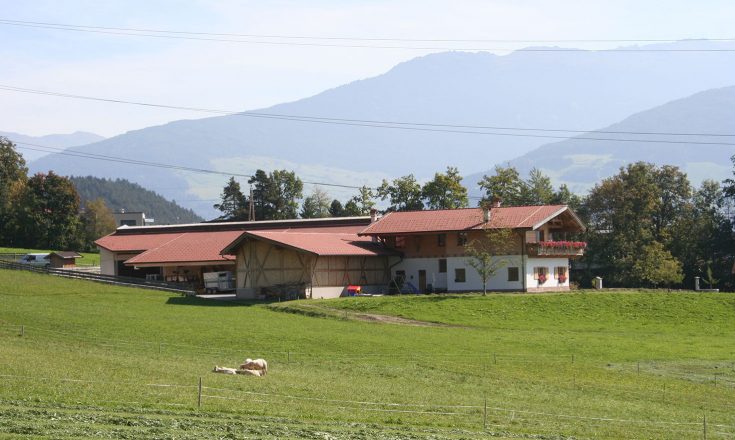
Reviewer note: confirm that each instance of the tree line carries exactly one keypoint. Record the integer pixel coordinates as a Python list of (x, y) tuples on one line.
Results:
[(44, 211), (646, 225)]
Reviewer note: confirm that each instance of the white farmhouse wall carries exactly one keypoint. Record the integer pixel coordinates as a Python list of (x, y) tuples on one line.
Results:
[(549, 264), (107, 262), (473, 281)]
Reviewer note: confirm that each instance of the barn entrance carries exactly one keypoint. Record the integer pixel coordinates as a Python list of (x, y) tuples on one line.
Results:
[(422, 281)]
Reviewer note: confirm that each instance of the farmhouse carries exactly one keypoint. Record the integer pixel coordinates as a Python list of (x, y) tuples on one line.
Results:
[(432, 246), (417, 251)]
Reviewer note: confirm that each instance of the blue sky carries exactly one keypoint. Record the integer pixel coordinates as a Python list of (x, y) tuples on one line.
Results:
[(240, 77)]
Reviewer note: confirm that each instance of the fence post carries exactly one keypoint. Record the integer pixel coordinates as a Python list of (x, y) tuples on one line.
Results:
[(495, 359), (704, 426), (199, 400), (484, 416), (22, 330), (572, 357), (715, 380), (639, 367)]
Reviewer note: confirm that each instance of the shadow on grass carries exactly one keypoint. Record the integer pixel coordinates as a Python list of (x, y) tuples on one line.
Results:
[(212, 302)]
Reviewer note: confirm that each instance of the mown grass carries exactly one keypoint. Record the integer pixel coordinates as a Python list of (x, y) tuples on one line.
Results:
[(553, 366), (88, 258)]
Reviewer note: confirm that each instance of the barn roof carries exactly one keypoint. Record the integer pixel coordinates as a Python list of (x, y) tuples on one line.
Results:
[(446, 220), (186, 247), (322, 243), (66, 255)]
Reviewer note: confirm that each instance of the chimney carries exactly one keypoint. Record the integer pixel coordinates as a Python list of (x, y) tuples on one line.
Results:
[(373, 215), (485, 212), (497, 201)]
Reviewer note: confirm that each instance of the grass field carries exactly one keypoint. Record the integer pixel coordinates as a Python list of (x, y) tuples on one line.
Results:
[(99, 361), (88, 258)]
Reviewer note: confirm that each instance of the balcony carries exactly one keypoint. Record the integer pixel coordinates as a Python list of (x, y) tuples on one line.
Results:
[(557, 249)]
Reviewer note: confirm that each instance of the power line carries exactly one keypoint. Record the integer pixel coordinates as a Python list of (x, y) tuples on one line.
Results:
[(63, 152), (351, 38), (202, 36), (413, 126)]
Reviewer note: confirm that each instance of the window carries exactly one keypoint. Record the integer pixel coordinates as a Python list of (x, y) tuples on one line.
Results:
[(443, 265), (400, 241), (459, 276), (441, 240), (400, 276), (461, 239), (513, 274), (560, 273), (540, 273), (128, 223)]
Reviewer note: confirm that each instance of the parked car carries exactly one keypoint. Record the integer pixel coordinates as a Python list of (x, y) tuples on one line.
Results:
[(41, 260)]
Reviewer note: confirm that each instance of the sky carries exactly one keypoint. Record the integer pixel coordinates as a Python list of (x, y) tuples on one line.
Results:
[(239, 76)]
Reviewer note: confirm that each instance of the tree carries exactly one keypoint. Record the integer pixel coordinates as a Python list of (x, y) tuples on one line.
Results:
[(49, 215), (336, 209), (96, 221), (13, 176), (628, 213), (486, 253), (316, 205), (537, 190), (655, 266), (276, 195), (565, 197), (233, 204), (730, 183), (445, 191), (361, 204), (404, 194), (506, 184)]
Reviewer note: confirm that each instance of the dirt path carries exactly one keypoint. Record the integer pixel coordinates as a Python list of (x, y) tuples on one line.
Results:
[(315, 310)]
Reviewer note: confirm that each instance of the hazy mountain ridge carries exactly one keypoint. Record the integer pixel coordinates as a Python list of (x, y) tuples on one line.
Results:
[(51, 140), (581, 163), (572, 90)]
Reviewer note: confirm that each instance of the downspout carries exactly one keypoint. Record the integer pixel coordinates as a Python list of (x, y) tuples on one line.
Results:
[(523, 259)]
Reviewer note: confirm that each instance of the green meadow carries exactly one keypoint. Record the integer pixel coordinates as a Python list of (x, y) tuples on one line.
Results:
[(87, 360), (88, 258)]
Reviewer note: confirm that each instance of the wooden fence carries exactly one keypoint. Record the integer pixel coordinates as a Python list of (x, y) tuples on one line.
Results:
[(186, 289)]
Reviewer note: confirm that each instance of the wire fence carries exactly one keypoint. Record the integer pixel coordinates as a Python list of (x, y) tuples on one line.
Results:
[(479, 413)]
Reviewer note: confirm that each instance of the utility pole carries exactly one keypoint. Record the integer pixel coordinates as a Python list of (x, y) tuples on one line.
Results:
[(251, 206)]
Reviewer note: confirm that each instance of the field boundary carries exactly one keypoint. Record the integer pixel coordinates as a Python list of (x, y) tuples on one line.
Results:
[(108, 279), (475, 410)]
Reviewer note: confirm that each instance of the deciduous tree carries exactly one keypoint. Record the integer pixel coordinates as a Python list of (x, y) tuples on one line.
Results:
[(445, 191), (404, 194), (487, 254)]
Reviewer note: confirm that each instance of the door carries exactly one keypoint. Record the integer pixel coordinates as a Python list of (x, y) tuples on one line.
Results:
[(422, 281)]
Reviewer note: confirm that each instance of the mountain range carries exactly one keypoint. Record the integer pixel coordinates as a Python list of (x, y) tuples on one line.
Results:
[(568, 90), (52, 140), (580, 162)]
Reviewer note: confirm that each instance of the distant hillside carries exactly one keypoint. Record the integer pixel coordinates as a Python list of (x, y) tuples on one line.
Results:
[(581, 163), (577, 89), (52, 140), (122, 194)]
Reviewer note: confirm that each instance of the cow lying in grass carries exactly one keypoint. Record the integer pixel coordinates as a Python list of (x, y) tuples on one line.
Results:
[(224, 370), (257, 365)]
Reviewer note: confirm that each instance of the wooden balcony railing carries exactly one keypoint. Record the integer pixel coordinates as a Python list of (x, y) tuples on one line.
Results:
[(557, 248)]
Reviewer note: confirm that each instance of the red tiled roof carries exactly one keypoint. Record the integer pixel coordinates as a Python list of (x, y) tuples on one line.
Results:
[(324, 244), (408, 222), (134, 242), (189, 247)]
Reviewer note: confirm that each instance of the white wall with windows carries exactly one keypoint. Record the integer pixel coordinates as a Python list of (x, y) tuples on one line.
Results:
[(555, 270), (460, 275)]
